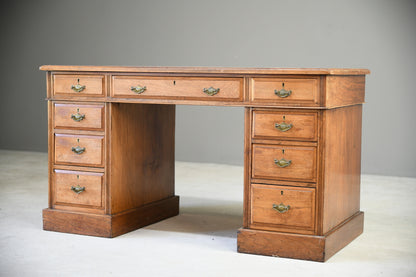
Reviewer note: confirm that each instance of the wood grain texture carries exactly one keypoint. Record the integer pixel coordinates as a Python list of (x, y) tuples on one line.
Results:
[(92, 196), (302, 167), (142, 154), (344, 90), (300, 217), (92, 156), (94, 85), (344, 234), (304, 91), (207, 70), (145, 215), (77, 223), (305, 247), (342, 164), (109, 225), (178, 87), (298, 246), (93, 116), (247, 166), (304, 125), (128, 165)]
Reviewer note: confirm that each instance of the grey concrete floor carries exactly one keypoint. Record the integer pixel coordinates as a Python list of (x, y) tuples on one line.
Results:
[(201, 241)]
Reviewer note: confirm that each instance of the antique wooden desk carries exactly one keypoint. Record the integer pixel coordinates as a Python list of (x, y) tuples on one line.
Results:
[(111, 151)]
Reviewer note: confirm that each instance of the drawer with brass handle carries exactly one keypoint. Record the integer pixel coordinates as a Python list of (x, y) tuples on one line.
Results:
[(79, 116), (297, 163), (78, 188), (78, 85), (285, 90), (285, 125), (282, 208), (178, 88), (79, 150)]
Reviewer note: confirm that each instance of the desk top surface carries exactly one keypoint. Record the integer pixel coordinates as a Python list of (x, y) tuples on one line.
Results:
[(208, 70)]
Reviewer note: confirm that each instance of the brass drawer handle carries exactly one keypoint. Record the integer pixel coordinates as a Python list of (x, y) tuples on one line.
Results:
[(281, 208), (138, 89), (78, 87), (78, 150), (211, 91), (283, 126), (77, 189), (78, 117), (283, 93), (282, 162)]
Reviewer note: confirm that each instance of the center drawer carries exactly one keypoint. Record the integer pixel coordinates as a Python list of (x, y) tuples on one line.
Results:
[(179, 88), (79, 149), (297, 163)]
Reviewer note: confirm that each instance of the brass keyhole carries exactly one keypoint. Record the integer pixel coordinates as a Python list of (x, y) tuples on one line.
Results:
[(174, 82), (281, 192)]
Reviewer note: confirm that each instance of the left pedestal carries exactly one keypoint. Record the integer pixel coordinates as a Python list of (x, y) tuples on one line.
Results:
[(111, 167)]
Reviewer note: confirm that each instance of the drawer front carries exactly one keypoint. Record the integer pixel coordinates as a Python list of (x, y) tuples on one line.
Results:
[(179, 88), (83, 117), (79, 150), (280, 207), (79, 85), (296, 163), (78, 188), (285, 125), (281, 91)]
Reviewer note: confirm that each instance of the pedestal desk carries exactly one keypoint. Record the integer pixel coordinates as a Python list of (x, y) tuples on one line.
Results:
[(111, 151)]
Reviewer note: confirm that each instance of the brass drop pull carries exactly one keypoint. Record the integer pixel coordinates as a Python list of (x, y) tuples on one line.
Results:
[(77, 117), (78, 150), (138, 89), (78, 189), (78, 87), (282, 162), (211, 91), (281, 208), (283, 126), (282, 93)]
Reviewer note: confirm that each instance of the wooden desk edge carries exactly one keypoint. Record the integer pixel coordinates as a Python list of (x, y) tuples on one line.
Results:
[(208, 70)]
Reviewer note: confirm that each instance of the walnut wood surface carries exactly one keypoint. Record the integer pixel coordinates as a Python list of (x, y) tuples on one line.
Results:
[(109, 225), (94, 85), (298, 246), (92, 156), (208, 70), (179, 87), (301, 213), (303, 91), (94, 116), (128, 166), (344, 90), (304, 125), (141, 154), (302, 168), (342, 162), (93, 183)]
